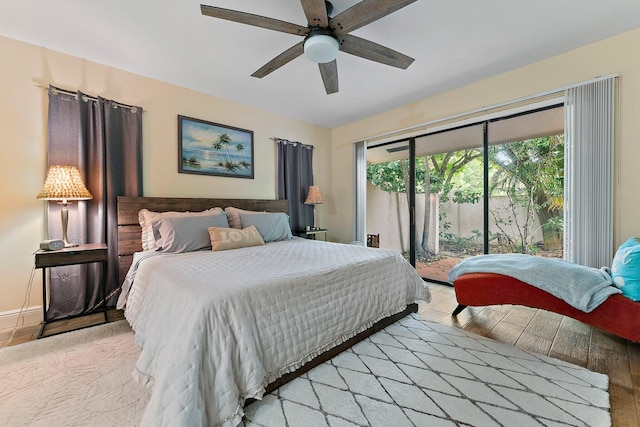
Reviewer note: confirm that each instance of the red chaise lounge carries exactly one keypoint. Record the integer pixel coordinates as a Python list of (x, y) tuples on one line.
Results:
[(617, 314)]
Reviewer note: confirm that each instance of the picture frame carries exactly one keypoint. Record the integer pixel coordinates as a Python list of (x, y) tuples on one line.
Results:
[(208, 148)]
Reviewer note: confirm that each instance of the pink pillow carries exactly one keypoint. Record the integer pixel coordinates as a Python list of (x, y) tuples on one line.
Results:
[(233, 216)]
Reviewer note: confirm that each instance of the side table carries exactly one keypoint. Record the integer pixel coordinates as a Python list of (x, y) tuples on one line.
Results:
[(81, 254), (313, 233)]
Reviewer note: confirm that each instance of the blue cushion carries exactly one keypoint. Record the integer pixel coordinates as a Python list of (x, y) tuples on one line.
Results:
[(625, 269), (632, 241), (273, 227)]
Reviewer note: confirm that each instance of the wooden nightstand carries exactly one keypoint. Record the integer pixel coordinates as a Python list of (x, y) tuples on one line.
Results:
[(312, 233), (82, 254)]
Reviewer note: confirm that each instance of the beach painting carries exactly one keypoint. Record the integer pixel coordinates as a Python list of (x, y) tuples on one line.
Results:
[(207, 148)]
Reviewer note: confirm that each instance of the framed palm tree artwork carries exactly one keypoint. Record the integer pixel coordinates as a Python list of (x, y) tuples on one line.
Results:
[(208, 148)]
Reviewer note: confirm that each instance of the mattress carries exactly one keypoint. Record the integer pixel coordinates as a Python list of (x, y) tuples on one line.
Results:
[(216, 327)]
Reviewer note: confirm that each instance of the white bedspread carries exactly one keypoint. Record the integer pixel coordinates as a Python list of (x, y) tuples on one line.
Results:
[(217, 327)]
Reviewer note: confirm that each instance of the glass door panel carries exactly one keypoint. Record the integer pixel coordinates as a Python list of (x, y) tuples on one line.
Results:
[(449, 199), (388, 219), (526, 181)]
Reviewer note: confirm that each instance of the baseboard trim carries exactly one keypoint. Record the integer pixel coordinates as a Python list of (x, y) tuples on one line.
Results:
[(32, 316)]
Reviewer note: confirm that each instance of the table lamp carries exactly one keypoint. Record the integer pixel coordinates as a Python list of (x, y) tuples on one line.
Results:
[(314, 197), (64, 183)]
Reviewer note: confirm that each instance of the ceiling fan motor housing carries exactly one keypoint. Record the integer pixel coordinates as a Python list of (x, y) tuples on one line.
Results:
[(321, 45)]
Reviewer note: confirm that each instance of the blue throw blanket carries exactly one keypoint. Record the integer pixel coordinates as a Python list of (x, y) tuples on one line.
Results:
[(584, 288)]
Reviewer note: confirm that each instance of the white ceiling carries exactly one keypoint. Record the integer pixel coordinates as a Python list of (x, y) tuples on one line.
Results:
[(454, 42)]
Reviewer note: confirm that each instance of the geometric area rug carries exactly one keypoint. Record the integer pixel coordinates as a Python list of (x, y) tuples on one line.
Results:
[(419, 373), (412, 373)]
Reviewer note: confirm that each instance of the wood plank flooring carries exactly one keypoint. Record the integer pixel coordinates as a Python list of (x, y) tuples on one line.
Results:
[(556, 336), (530, 329)]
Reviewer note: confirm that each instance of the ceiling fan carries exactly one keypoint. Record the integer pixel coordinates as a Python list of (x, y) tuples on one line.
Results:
[(324, 35)]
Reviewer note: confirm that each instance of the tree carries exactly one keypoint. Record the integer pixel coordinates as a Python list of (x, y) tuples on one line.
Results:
[(243, 162), (224, 140), (434, 175), (531, 174), (217, 146)]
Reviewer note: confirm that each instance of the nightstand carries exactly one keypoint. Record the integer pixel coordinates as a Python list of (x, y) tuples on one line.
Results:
[(313, 232), (81, 254)]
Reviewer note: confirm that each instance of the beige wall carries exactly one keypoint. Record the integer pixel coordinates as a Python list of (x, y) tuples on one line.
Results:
[(23, 109), (23, 118), (615, 55)]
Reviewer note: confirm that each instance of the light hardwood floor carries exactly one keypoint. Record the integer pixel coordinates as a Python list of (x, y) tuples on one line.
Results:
[(533, 330), (553, 335)]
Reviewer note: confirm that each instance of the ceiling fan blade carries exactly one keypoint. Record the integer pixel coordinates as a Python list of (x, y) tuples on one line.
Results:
[(316, 12), (364, 13), (285, 57), (255, 20), (374, 51), (329, 73)]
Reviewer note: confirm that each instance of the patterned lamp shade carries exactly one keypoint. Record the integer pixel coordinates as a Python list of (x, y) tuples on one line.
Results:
[(314, 197), (64, 183)]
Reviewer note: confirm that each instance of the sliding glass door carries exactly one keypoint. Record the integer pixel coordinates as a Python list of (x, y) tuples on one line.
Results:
[(449, 193), (493, 186)]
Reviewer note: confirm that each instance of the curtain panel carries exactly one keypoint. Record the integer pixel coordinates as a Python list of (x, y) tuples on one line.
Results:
[(361, 192), (588, 188), (295, 176), (103, 139)]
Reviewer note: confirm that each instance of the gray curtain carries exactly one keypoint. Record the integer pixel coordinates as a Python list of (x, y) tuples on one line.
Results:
[(295, 175), (103, 139)]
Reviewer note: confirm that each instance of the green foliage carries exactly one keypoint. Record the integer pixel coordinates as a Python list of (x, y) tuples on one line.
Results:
[(392, 176), (534, 166), (529, 173), (387, 176), (466, 196)]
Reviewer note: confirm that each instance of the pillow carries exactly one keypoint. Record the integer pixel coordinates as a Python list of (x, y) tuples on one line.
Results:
[(186, 233), (233, 216), (632, 241), (232, 238), (145, 217), (625, 269), (273, 227)]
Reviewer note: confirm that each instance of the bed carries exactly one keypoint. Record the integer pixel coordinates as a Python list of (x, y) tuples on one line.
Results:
[(218, 328)]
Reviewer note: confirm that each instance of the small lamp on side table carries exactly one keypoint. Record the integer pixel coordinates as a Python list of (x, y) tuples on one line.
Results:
[(64, 183), (314, 197)]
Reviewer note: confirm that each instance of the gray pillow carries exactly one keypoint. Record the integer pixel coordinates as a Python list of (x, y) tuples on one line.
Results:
[(145, 217), (186, 233), (273, 227)]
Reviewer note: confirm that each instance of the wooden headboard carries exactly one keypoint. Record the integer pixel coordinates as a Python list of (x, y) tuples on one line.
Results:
[(130, 233)]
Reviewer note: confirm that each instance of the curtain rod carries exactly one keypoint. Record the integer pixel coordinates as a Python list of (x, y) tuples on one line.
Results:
[(486, 108), (86, 97), (275, 138)]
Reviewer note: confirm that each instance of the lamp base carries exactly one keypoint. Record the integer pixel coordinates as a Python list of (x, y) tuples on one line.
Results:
[(64, 215)]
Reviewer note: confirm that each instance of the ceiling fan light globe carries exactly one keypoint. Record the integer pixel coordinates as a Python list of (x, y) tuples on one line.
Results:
[(321, 48)]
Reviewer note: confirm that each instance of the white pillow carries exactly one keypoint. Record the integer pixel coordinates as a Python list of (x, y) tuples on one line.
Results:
[(145, 217)]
